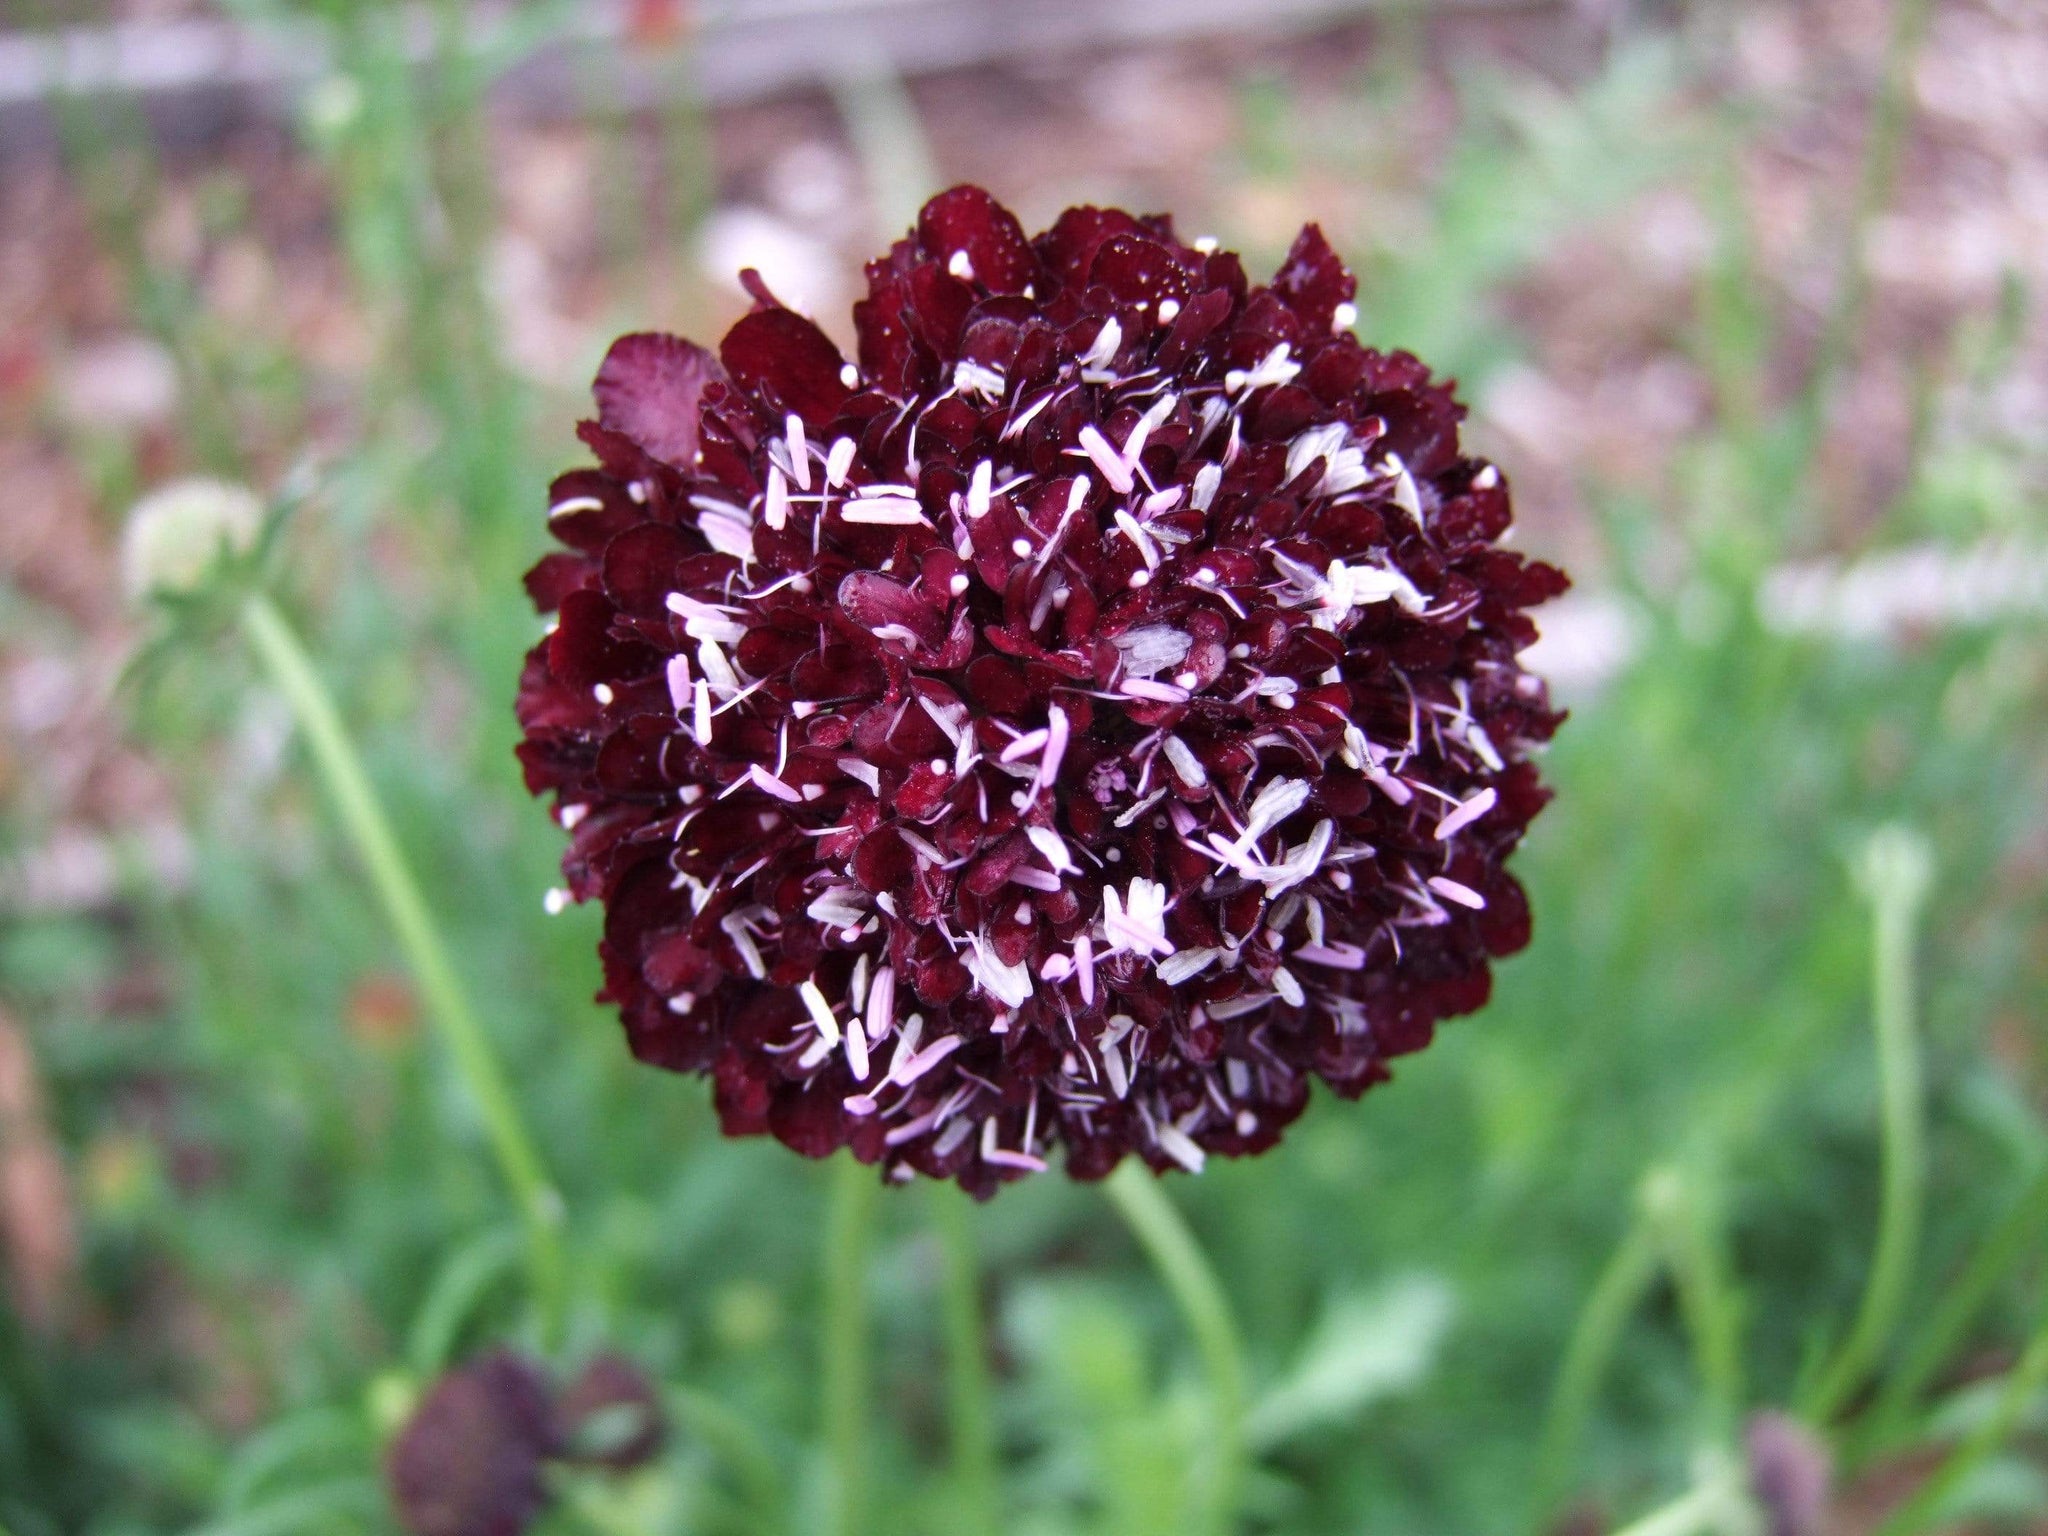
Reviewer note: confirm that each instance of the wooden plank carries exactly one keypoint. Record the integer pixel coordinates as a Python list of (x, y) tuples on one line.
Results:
[(192, 76)]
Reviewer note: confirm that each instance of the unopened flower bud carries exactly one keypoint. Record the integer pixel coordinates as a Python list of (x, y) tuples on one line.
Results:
[(178, 533)]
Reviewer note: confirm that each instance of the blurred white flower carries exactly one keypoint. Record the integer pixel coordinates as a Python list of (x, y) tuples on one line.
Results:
[(176, 533), (1588, 637), (1922, 586), (802, 270)]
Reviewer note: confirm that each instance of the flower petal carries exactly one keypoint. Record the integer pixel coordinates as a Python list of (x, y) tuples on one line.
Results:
[(789, 362), (650, 387)]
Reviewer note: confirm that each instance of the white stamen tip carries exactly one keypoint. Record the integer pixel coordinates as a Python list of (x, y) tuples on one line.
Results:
[(820, 1010), (799, 450), (838, 461), (1465, 813), (1451, 890)]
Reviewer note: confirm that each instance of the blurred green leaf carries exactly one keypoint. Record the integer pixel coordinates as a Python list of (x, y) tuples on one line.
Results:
[(1368, 1347)]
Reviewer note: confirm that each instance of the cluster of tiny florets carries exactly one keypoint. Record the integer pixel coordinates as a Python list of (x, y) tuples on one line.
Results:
[(1078, 723)]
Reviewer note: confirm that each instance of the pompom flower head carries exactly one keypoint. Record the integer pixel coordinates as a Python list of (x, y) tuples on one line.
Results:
[(1076, 724)]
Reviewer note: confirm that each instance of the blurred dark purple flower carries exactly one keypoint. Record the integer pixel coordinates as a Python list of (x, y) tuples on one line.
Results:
[(468, 1461), (610, 1415), (1081, 721), (1790, 1473)]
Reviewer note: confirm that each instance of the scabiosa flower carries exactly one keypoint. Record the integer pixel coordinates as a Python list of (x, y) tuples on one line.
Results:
[(471, 1460), (468, 1461), (1079, 722)]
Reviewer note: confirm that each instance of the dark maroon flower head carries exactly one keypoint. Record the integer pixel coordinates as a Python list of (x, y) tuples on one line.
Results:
[(471, 1461), (1079, 722), (468, 1462)]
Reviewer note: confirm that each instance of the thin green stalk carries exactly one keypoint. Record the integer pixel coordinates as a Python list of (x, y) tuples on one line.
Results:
[(1959, 1306), (844, 1342), (1921, 1510), (888, 138), (1895, 873), (1163, 1234), (969, 1405), (448, 1005), (1683, 1214), (1595, 1337)]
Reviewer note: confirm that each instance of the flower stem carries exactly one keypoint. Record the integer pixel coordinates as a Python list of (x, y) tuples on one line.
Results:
[(448, 1005), (1680, 1206), (1895, 874), (844, 1344), (1596, 1335), (1163, 1234), (968, 1397)]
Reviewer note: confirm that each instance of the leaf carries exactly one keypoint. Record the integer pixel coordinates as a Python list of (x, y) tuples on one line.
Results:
[(458, 1289), (1367, 1347)]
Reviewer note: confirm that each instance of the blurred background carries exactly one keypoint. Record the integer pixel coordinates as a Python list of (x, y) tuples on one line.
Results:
[(1746, 297)]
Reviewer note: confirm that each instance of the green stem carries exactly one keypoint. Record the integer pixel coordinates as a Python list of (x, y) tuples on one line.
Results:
[(1595, 1337), (968, 1395), (844, 1344), (363, 818), (1924, 1508), (1163, 1234), (1683, 1212), (888, 137), (1895, 876)]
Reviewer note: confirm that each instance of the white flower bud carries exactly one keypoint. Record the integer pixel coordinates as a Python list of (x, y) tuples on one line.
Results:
[(177, 532)]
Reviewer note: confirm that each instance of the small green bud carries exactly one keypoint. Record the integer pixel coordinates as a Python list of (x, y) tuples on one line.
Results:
[(390, 1400)]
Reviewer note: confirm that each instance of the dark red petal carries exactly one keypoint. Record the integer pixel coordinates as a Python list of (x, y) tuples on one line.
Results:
[(584, 652), (650, 387), (640, 567), (889, 350), (780, 355), (967, 219), (1069, 247), (555, 577), (1313, 280), (939, 304), (1138, 271)]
